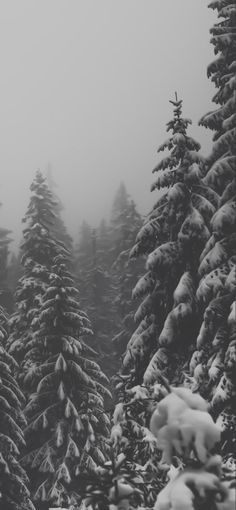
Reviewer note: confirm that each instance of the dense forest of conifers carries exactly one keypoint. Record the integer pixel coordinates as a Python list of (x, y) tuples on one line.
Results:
[(118, 350)]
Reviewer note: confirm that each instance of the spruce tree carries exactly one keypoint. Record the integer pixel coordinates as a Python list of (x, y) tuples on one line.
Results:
[(59, 228), (96, 291), (172, 238), (6, 298), (14, 493), (67, 425), (37, 251), (213, 363), (125, 271), (4, 252)]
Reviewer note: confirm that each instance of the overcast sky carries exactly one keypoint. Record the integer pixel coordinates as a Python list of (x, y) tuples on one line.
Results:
[(85, 86)]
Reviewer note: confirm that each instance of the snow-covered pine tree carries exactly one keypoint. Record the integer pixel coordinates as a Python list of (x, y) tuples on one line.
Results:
[(14, 493), (82, 256), (126, 222), (187, 437), (213, 363), (67, 425), (123, 213), (173, 237), (59, 229), (4, 252), (6, 297), (37, 252), (103, 244)]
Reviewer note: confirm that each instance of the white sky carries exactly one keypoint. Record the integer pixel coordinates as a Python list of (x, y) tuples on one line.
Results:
[(85, 85)]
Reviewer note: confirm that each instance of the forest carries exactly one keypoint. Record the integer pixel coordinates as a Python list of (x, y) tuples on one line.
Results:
[(118, 349)]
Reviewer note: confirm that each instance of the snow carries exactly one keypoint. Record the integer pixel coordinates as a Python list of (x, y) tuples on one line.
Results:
[(157, 364), (181, 421), (177, 495), (120, 491), (185, 289), (163, 256), (232, 315), (225, 218), (215, 257), (211, 284), (116, 434), (144, 285)]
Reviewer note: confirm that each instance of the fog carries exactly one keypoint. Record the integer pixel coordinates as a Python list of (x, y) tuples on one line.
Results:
[(85, 86)]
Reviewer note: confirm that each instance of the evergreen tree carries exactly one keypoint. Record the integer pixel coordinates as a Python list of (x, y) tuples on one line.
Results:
[(37, 251), (213, 363), (96, 291), (14, 272), (4, 252), (83, 256), (6, 299), (120, 227), (67, 425), (59, 228), (103, 245), (125, 271), (173, 237), (14, 494)]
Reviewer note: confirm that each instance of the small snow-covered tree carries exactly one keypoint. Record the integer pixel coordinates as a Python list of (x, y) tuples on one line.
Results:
[(213, 363), (193, 477), (67, 425), (187, 436), (131, 477), (14, 493)]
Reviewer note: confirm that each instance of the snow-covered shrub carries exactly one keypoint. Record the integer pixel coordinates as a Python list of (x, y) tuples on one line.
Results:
[(184, 428)]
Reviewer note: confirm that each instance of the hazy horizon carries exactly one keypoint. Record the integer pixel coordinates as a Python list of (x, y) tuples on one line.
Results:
[(85, 88)]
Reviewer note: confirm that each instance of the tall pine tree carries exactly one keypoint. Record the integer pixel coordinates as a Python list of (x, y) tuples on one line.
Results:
[(37, 252), (172, 237), (213, 363)]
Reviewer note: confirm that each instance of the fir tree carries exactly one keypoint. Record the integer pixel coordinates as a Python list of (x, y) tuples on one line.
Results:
[(67, 425), (125, 271), (173, 237), (37, 251), (4, 252), (14, 494), (96, 291), (6, 299), (59, 228), (213, 363)]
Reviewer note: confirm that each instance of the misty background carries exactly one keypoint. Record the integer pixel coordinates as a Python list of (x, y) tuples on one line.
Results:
[(84, 89)]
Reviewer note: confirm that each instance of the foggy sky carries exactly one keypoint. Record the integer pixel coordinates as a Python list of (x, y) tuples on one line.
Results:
[(85, 86)]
